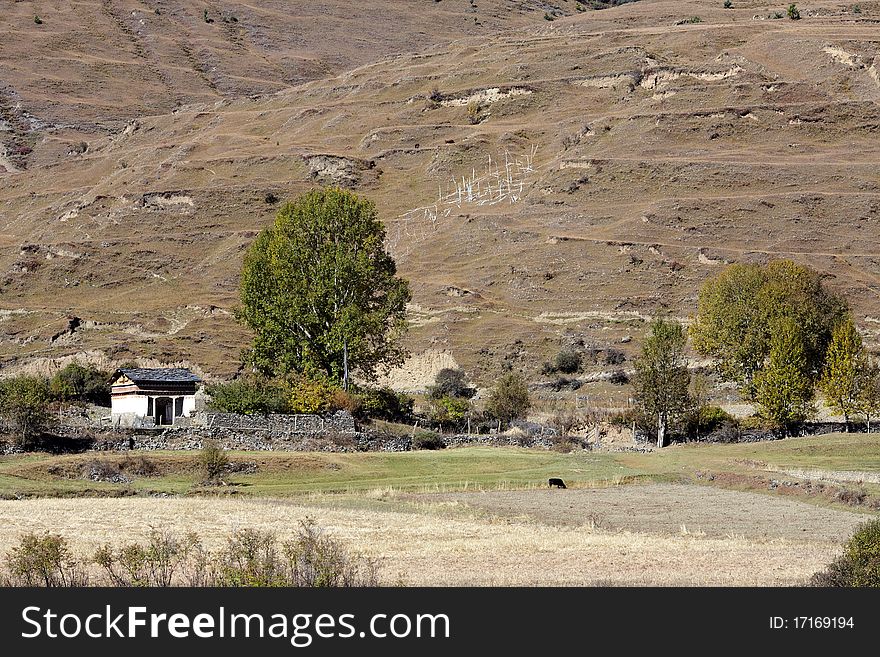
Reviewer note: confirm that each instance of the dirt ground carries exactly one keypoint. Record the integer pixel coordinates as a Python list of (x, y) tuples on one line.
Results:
[(669, 509)]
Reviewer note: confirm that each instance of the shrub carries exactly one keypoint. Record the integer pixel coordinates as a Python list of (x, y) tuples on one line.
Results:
[(152, 564), (451, 382), (509, 400), (453, 410), (385, 404), (618, 378), (305, 395), (38, 20), (82, 383), (859, 565), (24, 404), (435, 96), (793, 13), (250, 395), (139, 465), (706, 419), (614, 357), (44, 560), (568, 361), (473, 112), (311, 559), (428, 440), (728, 4), (213, 461), (340, 400)]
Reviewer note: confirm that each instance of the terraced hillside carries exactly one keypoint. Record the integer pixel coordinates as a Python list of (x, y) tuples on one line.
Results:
[(556, 181)]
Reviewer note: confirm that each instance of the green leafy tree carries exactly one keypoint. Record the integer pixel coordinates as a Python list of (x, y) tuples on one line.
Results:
[(869, 392), (509, 399), (83, 383), (660, 386), (845, 365), (784, 388), (24, 404), (318, 284), (737, 309)]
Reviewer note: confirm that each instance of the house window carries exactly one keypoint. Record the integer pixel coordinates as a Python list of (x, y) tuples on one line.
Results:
[(178, 407)]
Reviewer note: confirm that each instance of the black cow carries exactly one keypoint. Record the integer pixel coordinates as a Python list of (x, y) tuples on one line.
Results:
[(554, 481)]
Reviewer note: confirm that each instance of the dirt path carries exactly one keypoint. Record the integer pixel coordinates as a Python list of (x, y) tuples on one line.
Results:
[(669, 509)]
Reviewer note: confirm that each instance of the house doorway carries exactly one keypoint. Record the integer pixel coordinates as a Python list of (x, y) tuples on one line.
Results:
[(164, 411)]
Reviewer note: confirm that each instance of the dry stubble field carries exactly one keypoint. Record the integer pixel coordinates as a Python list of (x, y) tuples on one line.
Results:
[(653, 534)]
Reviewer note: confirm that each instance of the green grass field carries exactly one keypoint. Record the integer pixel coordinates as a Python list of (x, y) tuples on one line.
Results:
[(281, 474)]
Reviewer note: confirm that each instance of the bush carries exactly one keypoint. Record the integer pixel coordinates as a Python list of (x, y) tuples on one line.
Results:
[(24, 404), (213, 461), (451, 410), (249, 558), (38, 20), (44, 560), (312, 559), (428, 440), (706, 420), (859, 565), (728, 4), (250, 395), (305, 395), (793, 12), (152, 564), (82, 383), (618, 378), (139, 465), (509, 400), (451, 383), (568, 361), (385, 404)]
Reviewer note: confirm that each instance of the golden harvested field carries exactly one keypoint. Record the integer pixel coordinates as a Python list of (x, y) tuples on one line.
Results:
[(427, 541)]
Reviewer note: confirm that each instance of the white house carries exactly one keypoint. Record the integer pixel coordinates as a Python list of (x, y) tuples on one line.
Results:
[(140, 396)]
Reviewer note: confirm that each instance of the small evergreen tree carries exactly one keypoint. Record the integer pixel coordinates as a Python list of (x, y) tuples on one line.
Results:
[(843, 375), (784, 389)]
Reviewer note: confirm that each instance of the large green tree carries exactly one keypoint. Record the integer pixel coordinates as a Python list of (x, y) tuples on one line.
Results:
[(738, 308), (845, 367), (24, 405), (784, 388), (318, 284), (660, 386)]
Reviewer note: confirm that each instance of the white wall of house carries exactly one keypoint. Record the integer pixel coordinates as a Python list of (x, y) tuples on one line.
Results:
[(126, 410), (189, 405), (124, 404)]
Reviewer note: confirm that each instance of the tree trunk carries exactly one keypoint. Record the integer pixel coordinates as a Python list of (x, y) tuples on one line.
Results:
[(661, 431), (846, 422)]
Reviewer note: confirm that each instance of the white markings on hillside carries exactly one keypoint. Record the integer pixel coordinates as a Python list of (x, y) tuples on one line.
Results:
[(497, 183)]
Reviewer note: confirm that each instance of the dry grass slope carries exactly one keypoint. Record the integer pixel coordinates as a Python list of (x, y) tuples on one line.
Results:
[(643, 155)]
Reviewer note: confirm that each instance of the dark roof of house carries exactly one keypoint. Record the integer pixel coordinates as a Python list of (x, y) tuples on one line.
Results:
[(158, 375)]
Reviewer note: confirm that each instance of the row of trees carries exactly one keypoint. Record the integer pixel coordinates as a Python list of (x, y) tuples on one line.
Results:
[(777, 332)]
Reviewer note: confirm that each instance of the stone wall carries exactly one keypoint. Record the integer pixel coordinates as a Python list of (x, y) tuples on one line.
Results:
[(340, 422)]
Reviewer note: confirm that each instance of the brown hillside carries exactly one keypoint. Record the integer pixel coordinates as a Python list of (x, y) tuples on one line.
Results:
[(630, 158)]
